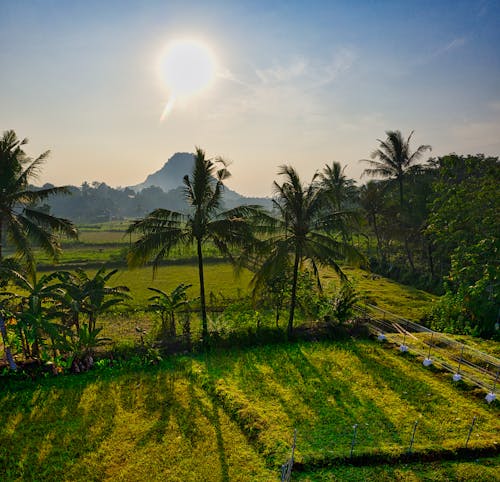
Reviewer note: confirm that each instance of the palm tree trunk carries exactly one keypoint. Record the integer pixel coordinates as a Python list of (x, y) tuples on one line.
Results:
[(377, 235), (430, 259), (172, 324), (409, 255), (400, 181), (293, 296), (202, 293), (1, 237)]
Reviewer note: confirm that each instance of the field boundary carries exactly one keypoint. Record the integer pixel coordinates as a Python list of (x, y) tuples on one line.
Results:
[(381, 458)]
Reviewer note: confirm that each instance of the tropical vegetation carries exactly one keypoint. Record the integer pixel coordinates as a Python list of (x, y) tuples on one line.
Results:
[(163, 229), (229, 413)]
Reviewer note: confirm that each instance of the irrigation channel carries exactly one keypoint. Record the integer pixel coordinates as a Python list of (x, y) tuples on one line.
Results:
[(464, 362)]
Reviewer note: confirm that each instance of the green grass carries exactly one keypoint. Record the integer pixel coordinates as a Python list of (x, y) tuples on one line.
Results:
[(154, 425), (402, 300), (230, 415), (323, 389), (220, 280)]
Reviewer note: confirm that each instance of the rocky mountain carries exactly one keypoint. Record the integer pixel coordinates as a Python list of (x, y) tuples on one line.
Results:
[(170, 176)]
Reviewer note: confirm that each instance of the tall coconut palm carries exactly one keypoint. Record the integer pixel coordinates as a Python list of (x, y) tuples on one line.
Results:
[(393, 159), (339, 188), (20, 220), (163, 229), (304, 231)]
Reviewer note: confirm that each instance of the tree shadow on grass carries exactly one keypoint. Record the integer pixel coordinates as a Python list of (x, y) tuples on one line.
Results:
[(442, 416), (322, 407), (212, 414), (54, 424)]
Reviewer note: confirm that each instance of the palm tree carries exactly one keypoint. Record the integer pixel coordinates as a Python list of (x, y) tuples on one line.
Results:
[(163, 229), (36, 308), (339, 188), (302, 232), (393, 159), (20, 220)]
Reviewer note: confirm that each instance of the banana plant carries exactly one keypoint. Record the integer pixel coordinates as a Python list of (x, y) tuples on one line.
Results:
[(166, 304)]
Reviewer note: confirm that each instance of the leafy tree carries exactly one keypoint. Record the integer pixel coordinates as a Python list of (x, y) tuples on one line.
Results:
[(163, 229), (394, 161), (464, 226), (372, 200), (302, 232), (21, 222)]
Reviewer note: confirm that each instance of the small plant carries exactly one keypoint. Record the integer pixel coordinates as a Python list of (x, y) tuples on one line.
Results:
[(83, 346), (343, 304), (166, 305)]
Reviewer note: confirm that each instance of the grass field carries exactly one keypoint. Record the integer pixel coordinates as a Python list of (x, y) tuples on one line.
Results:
[(230, 415)]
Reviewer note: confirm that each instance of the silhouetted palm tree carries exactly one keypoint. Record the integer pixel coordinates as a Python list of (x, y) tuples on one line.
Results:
[(20, 220), (393, 159), (371, 199), (339, 189), (163, 229), (303, 231)]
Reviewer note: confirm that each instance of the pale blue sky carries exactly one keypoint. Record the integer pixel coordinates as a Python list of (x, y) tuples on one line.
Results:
[(300, 83)]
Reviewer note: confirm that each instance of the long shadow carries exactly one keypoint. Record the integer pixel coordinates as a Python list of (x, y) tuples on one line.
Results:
[(341, 392), (290, 366), (158, 394), (212, 415), (412, 387), (53, 428)]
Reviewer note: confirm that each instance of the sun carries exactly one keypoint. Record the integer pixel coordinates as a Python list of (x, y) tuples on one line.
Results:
[(187, 67)]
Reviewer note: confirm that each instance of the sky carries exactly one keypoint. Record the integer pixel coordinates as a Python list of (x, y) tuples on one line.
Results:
[(300, 83)]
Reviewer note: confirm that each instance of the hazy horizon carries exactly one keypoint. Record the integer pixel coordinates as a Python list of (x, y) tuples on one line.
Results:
[(294, 83)]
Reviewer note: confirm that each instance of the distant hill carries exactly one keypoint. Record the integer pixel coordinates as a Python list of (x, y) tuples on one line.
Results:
[(98, 202), (170, 176)]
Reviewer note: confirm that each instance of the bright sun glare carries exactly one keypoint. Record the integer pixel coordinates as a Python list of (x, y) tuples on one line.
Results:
[(187, 67)]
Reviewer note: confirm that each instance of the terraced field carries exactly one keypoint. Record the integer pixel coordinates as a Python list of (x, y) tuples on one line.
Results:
[(230, 415)]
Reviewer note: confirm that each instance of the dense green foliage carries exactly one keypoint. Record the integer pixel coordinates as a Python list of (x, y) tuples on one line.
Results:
[(465, 227), (439, 229)]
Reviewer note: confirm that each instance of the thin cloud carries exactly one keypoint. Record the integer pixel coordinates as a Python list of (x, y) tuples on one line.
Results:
[(455, 43), (289, 90), (443, 50), (340, 63), (282, 73)]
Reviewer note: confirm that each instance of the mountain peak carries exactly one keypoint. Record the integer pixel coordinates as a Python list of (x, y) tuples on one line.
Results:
[(171, 174)]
